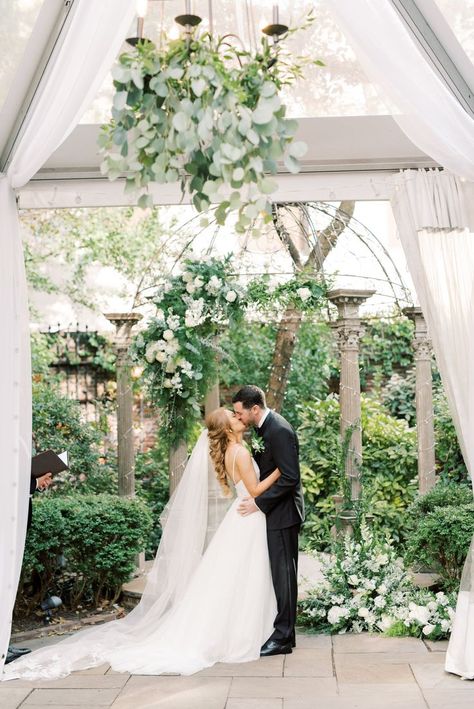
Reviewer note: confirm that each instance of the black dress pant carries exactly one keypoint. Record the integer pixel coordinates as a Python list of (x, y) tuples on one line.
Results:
[(283, 551)]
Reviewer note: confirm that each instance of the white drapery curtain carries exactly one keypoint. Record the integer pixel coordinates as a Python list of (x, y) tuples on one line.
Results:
[(433, 211), (428, 113), (83, 55)]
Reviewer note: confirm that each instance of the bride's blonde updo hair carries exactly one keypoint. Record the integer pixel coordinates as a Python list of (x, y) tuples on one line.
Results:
[(218, 428)]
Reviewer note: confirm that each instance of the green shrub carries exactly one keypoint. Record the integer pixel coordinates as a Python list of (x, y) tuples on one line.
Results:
[(57, 424), (389, 468), (97, 538), (398, 396), (449, 460), (442, 526), (152, 485), (385, 347)]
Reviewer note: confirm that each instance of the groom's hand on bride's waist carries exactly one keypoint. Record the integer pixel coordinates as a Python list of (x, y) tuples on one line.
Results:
[(247, 506)]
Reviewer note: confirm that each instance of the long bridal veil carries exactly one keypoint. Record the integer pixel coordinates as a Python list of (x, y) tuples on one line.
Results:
[(192, 515)]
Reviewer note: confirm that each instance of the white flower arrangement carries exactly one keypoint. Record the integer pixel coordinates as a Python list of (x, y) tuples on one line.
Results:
[(178, 345), (367, 588)]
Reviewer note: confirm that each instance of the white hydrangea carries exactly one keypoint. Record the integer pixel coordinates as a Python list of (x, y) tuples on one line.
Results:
[(172, 347), (231, 296), (214, 285), (336, 613), (304, 294), (195, 313), (418, 613), (382, 589), (442, 598), (385, 623), (173, 321), (380, 602), (369, 584)]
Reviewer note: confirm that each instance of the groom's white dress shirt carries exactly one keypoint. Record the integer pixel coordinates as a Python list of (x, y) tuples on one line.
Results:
[(265, 414)]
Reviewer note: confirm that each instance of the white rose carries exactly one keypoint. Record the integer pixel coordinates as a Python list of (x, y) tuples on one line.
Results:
[(168, 335), (170, 367), (419, 613), (304, 294), (150, 352), (190, 288), (198, 282), (160, 316), (363, 612), (167, 384), (353, 580), (231, 296), (187, 277), (380, 602), (382, 589), (445, 626), (428, 629), (160, 356)]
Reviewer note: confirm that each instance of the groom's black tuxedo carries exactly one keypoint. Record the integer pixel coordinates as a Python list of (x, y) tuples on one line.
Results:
[(283, 506), (283, 502)]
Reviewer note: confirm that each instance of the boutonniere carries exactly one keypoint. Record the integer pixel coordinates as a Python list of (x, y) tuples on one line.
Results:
[(257, 444)]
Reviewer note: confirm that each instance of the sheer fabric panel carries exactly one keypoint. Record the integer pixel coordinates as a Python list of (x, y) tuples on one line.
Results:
[(425, 109), (81, 60), (433, 217)]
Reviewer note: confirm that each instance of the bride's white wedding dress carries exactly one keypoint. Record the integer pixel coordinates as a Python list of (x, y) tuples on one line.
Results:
[(224, 614)]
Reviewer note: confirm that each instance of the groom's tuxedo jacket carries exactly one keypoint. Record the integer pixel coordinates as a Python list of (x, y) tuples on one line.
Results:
[(283, 502)]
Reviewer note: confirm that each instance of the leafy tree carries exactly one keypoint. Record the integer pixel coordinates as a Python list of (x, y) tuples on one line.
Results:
[(136, 244)]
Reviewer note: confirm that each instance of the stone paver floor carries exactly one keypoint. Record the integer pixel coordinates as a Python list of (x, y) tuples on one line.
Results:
[(343, 672)]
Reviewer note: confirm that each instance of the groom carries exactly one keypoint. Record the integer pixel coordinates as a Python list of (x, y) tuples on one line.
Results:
[(282, 504)]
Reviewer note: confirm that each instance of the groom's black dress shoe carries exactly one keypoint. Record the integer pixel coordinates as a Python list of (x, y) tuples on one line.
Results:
[(15, 652), (271, 647)]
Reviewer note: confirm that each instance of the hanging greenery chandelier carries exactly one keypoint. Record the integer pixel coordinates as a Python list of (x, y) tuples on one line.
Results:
[(206, 113)]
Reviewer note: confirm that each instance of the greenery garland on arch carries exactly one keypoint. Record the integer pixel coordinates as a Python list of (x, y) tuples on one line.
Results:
[(179, 348), (206, 113)]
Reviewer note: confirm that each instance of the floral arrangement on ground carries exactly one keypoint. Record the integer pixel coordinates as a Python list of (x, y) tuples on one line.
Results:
[(366, 587)]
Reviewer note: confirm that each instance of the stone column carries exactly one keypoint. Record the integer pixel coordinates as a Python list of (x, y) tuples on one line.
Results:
[(424, 401), (349, 330), (124, 323), (178, 456)]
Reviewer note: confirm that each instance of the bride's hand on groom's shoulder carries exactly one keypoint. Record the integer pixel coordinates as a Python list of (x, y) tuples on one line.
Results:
[(247, 506)]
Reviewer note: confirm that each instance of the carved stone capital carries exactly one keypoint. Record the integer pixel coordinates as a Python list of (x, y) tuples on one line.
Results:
[(423, 348), (348, 338), (124, 323)]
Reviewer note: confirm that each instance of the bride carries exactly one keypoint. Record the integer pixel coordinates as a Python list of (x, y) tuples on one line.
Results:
[(199, 606)]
